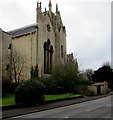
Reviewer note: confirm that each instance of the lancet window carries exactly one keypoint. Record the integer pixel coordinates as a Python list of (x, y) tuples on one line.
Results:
[(48, 57)]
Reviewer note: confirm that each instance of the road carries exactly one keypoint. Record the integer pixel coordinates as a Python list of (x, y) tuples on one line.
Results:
[(99, 108)]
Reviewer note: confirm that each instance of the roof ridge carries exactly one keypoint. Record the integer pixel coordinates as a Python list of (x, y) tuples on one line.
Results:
[(22, 28)]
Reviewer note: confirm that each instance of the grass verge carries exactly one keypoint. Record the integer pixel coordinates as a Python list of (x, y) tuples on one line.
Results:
[(53, 97), (9, 99)]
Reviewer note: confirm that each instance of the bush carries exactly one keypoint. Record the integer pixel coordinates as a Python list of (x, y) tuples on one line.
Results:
[(34, 72), (51, 86), (63, 79), (67, 77), (13, 87), (82, 81), (30, 92), (5, 86)]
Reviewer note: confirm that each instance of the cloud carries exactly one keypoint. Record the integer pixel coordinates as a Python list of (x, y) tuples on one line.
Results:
[(88, 33), (13, 15)]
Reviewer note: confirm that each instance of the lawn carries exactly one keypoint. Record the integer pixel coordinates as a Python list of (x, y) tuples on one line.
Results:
[(52, 97), (9, 99)]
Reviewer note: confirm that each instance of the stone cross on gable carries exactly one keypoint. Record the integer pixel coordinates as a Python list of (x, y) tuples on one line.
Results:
[(40, 4)]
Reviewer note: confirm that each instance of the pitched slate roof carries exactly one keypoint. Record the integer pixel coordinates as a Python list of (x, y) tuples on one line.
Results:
[(24, 30)]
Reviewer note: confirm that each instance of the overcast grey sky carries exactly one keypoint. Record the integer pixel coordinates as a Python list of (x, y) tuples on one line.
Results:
[(88, 25)]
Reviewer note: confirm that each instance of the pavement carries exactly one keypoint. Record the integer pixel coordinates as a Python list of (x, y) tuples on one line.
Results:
[(17, 111)]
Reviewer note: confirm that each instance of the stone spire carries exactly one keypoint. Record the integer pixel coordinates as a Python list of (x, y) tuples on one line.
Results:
[(37, 4), (50, 5), (56, 7), (39, 7), (38, 10), (45, 11)]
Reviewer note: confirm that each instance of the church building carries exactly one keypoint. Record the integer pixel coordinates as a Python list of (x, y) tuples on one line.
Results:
[(43, 43)]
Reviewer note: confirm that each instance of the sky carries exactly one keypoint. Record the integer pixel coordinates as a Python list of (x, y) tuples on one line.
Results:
[(88, 26)]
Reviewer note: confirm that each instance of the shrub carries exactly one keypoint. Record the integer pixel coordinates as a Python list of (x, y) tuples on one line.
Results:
[(83, 81), (13, 87), (5, 86), (34, 72), (66, 77), (30, 92), (51, 86), (63, 79)]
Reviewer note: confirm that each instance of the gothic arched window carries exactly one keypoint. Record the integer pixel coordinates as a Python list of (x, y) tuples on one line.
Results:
[(62, 51), (45, 57), (48, 53), (51, 57)]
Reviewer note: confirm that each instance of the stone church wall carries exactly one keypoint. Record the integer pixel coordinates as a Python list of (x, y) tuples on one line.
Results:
[(26, 47), (6, 54)]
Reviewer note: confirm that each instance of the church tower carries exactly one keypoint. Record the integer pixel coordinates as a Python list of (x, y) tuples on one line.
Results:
[(51, 37)]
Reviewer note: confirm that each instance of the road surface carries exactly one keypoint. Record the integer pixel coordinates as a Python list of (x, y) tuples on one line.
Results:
[(99, 108)]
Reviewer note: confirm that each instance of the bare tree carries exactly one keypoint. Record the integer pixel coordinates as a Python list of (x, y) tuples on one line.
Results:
[(89, 73), (18, 62)]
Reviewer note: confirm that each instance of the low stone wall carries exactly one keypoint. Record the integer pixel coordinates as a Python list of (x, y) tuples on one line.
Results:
[(93, 88)]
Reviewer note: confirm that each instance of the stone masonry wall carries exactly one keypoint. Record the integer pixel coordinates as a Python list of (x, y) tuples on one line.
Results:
[(26, 46)]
